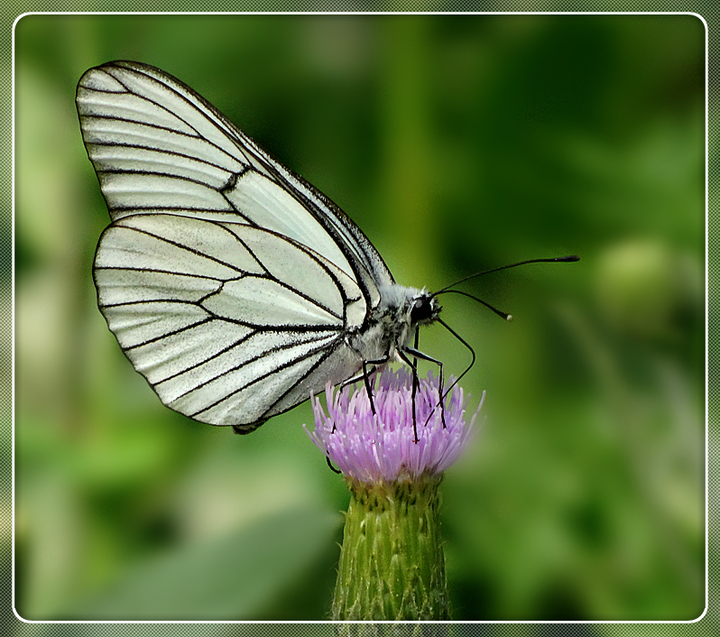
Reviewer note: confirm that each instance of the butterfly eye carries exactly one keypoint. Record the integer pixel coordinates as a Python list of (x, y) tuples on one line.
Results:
[(423, 309)]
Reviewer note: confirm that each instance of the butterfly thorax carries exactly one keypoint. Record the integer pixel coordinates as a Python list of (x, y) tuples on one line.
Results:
[(391, 325)]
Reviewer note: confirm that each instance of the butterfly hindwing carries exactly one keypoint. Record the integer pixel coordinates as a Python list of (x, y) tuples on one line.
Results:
[(211, 314)]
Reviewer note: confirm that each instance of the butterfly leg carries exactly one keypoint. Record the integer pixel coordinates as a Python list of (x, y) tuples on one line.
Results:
[(365, 377), (415, 384), (330, 464), (417, 354), (368, 387)]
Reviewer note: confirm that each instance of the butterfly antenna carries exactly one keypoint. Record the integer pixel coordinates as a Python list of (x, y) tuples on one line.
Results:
[(567, 259), (500, 313), (504, 315)]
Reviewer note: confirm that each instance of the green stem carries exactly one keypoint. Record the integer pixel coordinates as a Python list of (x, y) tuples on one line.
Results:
[(392, 565)]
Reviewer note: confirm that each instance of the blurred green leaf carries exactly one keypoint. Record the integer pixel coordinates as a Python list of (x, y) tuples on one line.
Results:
[(234, 577)]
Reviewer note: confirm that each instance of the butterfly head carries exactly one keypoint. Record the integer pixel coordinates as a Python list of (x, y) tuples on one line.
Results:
[(425, 308)]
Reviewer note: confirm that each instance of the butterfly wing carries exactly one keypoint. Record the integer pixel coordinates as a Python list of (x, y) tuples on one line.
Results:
[(222, 329), (158, 146), (229, 282)]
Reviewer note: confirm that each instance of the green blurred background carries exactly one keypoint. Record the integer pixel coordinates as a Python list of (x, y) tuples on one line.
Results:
[(457, 143)]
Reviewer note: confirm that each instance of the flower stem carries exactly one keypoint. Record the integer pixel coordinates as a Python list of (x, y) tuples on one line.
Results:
[(392, 565)]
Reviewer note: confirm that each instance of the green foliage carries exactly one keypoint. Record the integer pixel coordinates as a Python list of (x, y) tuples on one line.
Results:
[(213, 579), (458, 143)]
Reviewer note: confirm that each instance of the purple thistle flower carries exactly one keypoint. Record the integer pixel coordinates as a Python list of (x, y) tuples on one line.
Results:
[(381, 447)]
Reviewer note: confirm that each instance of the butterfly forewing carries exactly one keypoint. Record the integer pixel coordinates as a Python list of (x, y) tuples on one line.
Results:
[(231, 284), (151, 134)]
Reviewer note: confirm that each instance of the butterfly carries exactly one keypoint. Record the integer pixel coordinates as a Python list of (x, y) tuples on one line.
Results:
[(234, 286)]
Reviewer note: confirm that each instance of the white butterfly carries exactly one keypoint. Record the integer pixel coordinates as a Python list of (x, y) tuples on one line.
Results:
[(232, 285)]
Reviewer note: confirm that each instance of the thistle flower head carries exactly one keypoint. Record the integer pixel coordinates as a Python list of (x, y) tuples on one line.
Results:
[(381, 447)]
